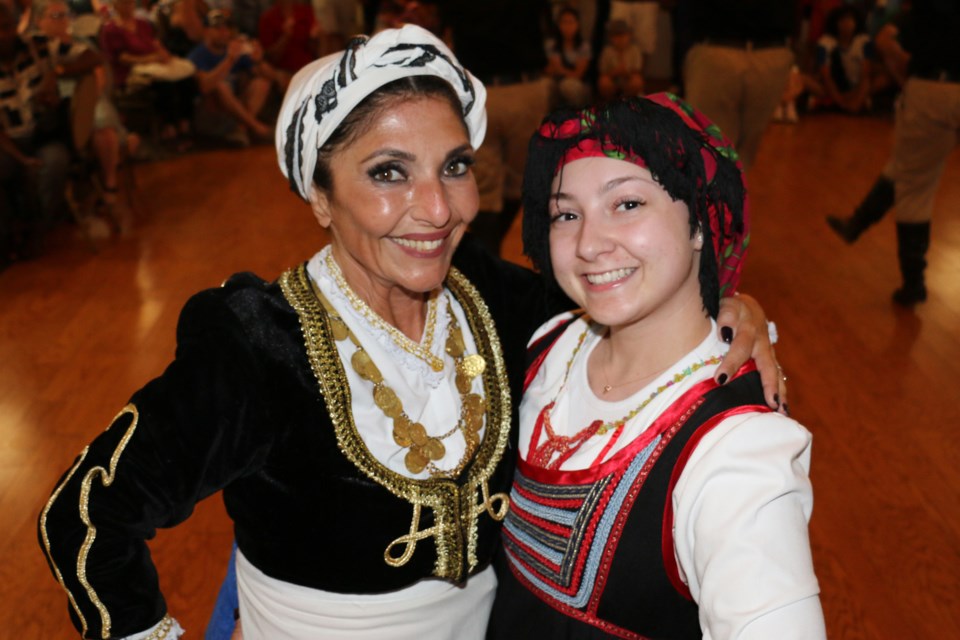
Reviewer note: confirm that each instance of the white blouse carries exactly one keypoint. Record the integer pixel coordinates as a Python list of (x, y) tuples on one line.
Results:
[(741, 505)]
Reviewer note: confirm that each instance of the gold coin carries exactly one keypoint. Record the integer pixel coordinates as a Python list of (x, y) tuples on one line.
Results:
[(472, 365), (434, 449), (455, 344), (387, 400), (472, 420), (464, 383), (401, 431), (415, 461), (363, 365), (418, 434), (474, 403), (339, 329)]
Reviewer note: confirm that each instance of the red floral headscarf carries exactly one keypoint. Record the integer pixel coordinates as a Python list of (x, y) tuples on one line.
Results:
[(724, 211)]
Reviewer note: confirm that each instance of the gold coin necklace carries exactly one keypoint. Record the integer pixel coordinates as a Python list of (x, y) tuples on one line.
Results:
[(423, 450), (424, 350)]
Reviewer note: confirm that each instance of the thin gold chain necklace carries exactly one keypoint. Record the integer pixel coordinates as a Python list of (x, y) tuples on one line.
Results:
[(566, 446), (423, 351), (423, 450)]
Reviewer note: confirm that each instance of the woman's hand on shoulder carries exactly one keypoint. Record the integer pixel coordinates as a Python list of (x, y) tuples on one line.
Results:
[(743, 324)]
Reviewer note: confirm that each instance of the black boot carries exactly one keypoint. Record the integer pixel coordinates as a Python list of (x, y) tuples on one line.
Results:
[(873, 207), (913, 240)]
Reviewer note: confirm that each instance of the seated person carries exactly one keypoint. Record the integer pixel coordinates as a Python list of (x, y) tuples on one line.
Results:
[(568, 56), (621, 64), (128, 41), (72, 58), (290, 35), (33, 161), (843, 55), (232, 75)]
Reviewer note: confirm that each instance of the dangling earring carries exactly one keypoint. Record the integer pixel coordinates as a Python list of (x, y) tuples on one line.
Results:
[(700, 235)]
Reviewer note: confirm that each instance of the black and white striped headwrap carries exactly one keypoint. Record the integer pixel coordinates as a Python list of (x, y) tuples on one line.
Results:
[(322, 94)]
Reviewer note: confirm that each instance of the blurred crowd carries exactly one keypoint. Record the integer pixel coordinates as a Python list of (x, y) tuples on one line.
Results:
[(88, 85)]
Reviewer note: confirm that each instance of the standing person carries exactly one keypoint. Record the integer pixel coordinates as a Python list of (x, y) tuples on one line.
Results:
[(738, 68), (357, 412), (502, 42), (926, 132), (648, 502)]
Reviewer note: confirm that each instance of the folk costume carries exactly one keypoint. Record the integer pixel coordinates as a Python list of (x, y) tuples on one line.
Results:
[(358, 466), (681, 510)]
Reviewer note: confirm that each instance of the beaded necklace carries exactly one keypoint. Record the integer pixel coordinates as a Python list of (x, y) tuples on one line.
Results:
[(566, 446), (424, 450), (423, 351)]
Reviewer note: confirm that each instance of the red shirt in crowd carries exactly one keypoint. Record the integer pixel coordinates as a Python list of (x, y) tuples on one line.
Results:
[(299, 50)]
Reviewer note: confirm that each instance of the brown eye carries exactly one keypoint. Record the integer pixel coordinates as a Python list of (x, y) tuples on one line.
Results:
[(387, 173)]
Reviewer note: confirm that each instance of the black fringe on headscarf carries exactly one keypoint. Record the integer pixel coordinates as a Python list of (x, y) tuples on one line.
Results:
[(671, 151)]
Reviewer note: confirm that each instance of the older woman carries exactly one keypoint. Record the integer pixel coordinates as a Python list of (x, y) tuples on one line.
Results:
[(649, 501), (357, 412)]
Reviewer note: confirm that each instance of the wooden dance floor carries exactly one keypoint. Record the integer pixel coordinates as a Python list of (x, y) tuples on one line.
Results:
[(877, 385)]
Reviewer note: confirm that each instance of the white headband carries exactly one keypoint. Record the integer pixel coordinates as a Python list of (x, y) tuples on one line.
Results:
[(322, 93)]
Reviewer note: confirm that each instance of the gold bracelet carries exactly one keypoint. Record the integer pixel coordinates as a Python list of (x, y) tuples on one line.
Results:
[(161, 631)]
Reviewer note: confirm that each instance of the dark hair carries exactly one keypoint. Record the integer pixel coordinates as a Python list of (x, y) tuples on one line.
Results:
[(370, 108), (671, 151), (555, 27), (832, 23)]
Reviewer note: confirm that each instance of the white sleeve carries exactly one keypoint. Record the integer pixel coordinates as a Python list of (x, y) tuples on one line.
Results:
[(741, 507)]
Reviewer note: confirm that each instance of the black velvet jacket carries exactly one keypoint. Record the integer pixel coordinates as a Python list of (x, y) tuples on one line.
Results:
[(256, 403)]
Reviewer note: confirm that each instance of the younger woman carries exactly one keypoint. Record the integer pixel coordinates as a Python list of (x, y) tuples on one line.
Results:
[(649, 501)]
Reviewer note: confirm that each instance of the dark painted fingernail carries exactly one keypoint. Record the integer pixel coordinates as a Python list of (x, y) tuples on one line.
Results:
[(776, 398), (722, 379), (786, 408), (727, 334)]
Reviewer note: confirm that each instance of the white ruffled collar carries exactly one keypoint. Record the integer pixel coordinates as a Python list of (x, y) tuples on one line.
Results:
[(365, 330)]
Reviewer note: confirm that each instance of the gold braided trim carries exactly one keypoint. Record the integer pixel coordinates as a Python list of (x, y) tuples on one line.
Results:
[(166, 624), (455, 507), (46, 540)]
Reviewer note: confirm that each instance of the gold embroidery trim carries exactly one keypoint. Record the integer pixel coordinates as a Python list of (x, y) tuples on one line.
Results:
[(46, 540), (85, 518), (455, 508)]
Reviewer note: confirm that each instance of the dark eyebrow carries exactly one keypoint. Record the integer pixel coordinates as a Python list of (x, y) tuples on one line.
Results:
[(459, 151), (390, 153), (607, 186), (406, 155)]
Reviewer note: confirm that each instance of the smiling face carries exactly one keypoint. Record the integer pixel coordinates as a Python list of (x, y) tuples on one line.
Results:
[(401, 197), (620, 247)]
